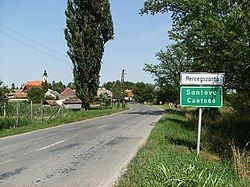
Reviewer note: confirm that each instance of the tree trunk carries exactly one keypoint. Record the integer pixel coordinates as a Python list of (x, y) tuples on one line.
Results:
[(85, 106)]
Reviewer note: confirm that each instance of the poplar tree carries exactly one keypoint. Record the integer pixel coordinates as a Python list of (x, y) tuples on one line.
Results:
[(89, 26)]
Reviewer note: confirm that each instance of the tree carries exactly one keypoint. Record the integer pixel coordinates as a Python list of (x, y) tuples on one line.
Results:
[(144, 92), (116, 88), (36, 95), (71, 85), (58, 86), (89, 27), (214, 34), (173, 61)]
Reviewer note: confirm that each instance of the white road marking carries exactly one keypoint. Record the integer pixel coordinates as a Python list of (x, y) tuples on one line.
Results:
[(50, 145), (101, 126)]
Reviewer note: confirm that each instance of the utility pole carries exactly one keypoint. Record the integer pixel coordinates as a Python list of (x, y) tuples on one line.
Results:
[(122, 77)]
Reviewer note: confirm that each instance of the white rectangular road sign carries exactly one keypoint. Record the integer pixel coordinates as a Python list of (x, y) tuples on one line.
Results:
[(202, 78)]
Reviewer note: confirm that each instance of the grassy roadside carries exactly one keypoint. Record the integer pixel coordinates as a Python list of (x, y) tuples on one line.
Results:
[(69, 117), (169, 159)]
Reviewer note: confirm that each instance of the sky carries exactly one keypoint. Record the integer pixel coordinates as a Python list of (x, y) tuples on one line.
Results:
[(32, 40)]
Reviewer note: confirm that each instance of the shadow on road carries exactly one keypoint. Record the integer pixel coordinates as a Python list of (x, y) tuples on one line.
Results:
[(176, 112), (153, 112)]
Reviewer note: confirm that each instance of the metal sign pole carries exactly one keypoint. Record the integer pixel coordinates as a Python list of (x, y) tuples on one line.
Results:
[(199, 131)]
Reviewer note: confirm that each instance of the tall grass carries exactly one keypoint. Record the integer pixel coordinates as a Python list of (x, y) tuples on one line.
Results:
[(169, 159), (26, 125), (241, 161)]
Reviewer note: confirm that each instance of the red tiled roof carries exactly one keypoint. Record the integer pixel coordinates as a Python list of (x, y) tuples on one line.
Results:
[(18, 96), (34, 83), (129, 93), (50, 102), (72, 101), (68, 92)]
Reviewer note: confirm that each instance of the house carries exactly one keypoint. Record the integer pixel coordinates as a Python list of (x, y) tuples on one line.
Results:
[(103, 91), (69, 99), (50, 103), (100, 93), (31, 84), (13, 97), (129, 95), (67, 94), (72, 103), (52, 93), (35, 84)]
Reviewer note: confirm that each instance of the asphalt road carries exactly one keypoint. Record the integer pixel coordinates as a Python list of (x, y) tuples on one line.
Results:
[(87, 153)]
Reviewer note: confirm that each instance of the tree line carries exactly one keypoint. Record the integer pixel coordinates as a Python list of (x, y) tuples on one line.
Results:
[(209, 36)]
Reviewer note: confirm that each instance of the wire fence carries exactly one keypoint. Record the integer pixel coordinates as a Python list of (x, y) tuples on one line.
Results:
[(29, 111)]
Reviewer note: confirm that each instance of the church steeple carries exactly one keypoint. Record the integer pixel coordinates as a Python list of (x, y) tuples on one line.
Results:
[(45, 76)]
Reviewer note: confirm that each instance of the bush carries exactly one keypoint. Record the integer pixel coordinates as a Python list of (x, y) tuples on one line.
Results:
[(106, 100), (7, 122), (48, 97), (219, 129), (218, 134), (240, 102)]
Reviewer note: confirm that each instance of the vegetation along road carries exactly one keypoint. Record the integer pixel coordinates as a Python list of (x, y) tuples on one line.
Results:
[(86, 153)]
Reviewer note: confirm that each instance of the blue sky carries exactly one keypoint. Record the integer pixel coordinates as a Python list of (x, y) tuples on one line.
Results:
[(137, 39)]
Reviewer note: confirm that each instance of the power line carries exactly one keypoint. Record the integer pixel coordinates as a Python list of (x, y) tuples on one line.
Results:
[(38, 43), (24, 43)]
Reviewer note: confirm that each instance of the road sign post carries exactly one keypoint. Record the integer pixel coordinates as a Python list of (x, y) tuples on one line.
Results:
[(199, 131), (201, 90)]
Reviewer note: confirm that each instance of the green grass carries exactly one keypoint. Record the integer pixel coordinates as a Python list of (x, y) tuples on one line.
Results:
[(69, 117), (169, 159)]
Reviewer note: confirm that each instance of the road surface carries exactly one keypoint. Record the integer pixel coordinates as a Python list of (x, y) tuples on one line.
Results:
[(87, 153)]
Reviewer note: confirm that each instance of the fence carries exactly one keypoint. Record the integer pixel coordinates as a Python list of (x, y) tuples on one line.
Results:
[(30, 111)]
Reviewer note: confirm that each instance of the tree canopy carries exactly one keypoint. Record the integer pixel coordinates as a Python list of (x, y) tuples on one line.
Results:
[(89, 27), (144, 92), (36, 95), (214, 34), (58, 86), (116, 87), (173, 61)]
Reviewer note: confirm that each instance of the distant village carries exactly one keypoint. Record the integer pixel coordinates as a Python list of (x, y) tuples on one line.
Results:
[(67, 97)]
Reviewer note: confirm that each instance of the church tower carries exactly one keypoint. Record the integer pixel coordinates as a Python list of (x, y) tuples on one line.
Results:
[(45, 76)]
